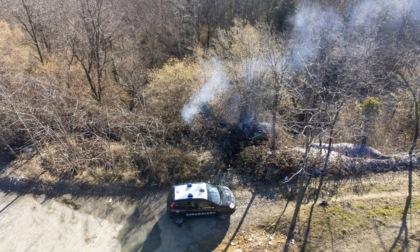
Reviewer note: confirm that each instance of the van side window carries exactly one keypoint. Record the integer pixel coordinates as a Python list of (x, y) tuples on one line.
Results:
[(185, 205), (205, 205)]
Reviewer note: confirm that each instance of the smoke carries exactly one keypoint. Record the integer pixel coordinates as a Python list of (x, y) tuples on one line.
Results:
[(253, 69), (218, 83), (415, 10), (370, 15), (369, 12), (209, 90), (313, 26)]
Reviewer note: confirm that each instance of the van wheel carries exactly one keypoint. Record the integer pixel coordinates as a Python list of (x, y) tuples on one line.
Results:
[(223, 216), (179, 220)]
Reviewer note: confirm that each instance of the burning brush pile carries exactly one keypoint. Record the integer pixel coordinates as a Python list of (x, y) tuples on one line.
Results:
[(243, 145), (229, 129), (224, 121)]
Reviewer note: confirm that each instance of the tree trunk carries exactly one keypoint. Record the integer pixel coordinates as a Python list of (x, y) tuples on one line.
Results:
[(302, 186), (321, 180), (301, 191), (404, 226), (274, 120)]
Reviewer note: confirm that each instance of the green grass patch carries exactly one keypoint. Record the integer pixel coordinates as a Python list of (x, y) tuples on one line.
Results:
[(349, 217), (360, 205), (386, 210), (343, 219)]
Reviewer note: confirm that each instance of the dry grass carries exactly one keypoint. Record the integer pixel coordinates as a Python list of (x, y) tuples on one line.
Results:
[(363, 214), (15, 56)]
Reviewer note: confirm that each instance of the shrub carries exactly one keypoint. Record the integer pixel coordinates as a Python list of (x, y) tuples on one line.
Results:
[(167, 166), (371, 106), (170, 88), (262, 163)]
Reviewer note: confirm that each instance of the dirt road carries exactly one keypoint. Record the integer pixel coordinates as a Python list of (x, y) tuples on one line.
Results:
[(64, 217), (67, 223), (29, 223)]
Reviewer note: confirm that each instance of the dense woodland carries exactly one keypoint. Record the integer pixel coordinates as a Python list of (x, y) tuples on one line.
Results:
[(142, 91)]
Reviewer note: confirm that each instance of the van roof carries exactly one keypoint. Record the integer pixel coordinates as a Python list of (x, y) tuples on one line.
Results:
[(191, 191)]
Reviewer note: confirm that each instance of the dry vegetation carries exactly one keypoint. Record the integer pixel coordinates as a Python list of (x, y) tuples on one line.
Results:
[(92, 92), (114, 117)]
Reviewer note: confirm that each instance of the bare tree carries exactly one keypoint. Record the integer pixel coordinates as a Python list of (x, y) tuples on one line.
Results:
[(278, 61), (205, 16), (38, 21), (316, 91), (337, 89), (91, 41), (407, 73)]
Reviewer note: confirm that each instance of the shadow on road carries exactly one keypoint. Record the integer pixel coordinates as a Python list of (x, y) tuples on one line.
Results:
[(403, 233), (10, 203), (138, 224), (195, 234), (240, 222), (141, 211), (63, 187)]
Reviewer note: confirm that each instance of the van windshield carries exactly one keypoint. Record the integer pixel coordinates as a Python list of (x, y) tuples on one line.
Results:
[(213, 194)]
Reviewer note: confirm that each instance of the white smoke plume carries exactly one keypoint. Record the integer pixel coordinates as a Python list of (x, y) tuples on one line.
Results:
[(371, 14), (209, 90), (316, 27), (253, 68), (313, 25)]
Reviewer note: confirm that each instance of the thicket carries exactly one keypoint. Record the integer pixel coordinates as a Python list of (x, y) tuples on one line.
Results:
[(96, 89)]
